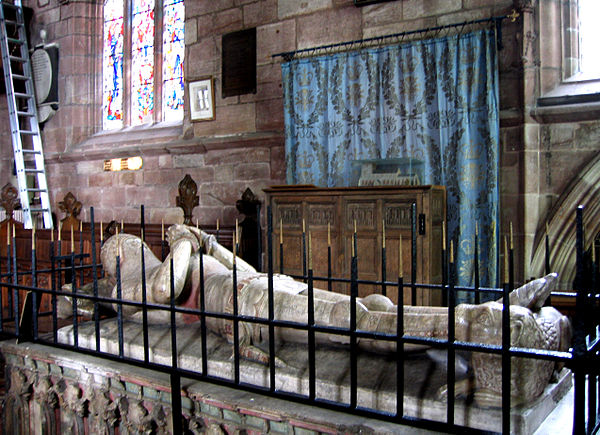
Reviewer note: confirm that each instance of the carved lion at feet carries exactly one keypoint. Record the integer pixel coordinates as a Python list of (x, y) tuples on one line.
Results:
[(531, 326)]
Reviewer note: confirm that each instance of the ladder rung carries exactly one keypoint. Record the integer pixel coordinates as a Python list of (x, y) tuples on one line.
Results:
[(34, 171), (22, 95), (14, 41), (24, 113), (30, 151), (38, 210), (36, 190), (13, 22), (10, 5), (17, 59), (28, 132), (19, 77)]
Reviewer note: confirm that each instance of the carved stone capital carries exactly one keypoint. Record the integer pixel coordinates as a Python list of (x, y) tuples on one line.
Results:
[(44, 392), (135, 418), (20, 385), (71, 398)]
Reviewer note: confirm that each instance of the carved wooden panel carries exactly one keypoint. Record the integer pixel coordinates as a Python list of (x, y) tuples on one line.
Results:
[(321, 215), (372, 209)]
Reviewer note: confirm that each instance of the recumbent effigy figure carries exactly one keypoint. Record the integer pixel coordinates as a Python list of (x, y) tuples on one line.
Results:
[(532, 324)]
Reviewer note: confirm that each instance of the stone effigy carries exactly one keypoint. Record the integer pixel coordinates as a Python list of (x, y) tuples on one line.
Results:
[(532, 325)]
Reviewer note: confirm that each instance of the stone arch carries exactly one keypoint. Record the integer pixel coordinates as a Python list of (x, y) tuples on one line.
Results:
[(583, 190)]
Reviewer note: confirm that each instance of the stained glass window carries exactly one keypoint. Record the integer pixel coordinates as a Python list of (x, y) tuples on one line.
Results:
[(112, 66), (173, 53), (142, 65), (135, 87)]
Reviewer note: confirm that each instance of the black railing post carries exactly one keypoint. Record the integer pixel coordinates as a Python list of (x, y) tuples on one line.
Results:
[(8, 268), (95, 279), (259, 239), (53, 288), (119, 298), (451, 370), (476, 267), (34, 293), (399, 337), (15, 279), (304, 250), (280, 244), (270, 295), (162, 241), (175, 377), (203, 314), (74, 294), (579, 336), (413, 255), (311, 330), (383, 261), (506, 363), (329, 268), (236, 325), (353, 337), (60, 259), (547, 252), (81, 261), (593, 384), (144, 289), (444, 267)]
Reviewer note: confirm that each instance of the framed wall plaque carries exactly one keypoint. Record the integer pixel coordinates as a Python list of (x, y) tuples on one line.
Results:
[(202, 99)]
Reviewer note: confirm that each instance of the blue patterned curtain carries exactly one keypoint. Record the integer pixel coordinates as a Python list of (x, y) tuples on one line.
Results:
[(433, 100)]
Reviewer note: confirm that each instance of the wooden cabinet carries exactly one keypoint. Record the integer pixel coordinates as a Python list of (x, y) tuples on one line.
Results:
[(330, 217)]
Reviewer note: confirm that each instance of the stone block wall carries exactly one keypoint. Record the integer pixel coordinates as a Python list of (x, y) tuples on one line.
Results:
[(243, 146)]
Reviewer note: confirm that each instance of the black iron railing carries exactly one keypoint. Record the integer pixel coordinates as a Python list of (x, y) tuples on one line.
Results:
[(583, 359)]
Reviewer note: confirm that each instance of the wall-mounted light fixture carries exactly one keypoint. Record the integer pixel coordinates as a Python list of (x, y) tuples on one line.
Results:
[(124, 164)]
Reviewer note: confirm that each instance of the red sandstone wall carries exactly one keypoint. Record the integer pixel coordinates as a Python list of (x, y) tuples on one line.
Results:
[(243, 146)]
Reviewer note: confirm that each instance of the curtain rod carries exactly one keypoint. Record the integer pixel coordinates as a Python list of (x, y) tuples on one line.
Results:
[(289, 55)]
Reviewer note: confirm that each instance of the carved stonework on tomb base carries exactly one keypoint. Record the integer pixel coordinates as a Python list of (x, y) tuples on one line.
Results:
[(73, 407), (71, 207), (102, 410), (44, 392), (188, 198), (15, 413), (136, 419), (44, 405)]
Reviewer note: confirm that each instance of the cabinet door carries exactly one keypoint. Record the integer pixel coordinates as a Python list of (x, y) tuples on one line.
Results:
[(287, 232)]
